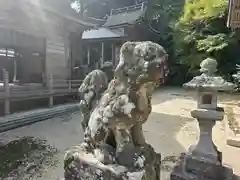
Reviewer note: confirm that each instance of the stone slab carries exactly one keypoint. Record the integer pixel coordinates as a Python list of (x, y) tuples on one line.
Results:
[(233, 141), (201, 167), (178, 175), (200, 170), (82, 166), (21, 119)]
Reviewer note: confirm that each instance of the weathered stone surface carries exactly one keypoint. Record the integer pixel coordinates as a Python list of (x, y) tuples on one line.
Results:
[(193, 168), (203, 161), (114, 146), (91, 89), (82, 166), (202, 167), (208, 79), (94, 84)]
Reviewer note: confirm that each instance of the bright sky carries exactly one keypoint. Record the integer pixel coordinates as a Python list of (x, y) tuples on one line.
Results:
[(75, 6)]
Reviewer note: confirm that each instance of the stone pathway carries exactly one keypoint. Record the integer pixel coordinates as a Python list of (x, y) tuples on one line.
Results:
[(170, 130)]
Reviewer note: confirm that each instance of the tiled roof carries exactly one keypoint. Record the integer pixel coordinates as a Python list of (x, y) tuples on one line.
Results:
[(63, 8), (37, 10)]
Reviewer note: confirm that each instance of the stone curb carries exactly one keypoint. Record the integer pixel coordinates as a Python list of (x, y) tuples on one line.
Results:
[(232, 139), (21, 119)]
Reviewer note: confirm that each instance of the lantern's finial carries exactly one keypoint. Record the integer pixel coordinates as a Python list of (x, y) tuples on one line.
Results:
[(208, 79), (209, 66)]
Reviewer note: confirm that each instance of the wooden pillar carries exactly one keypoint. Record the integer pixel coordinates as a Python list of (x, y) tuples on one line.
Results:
[(102, 54), (80, 49), (67, 35), (44, 64), (15, 70), (113, 54), (88, 55), (67, 54), (7, 92), (50, 90), (117, 54)]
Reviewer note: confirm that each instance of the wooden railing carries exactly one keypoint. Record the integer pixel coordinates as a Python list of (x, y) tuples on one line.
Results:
[(54, 87), (128, 8)]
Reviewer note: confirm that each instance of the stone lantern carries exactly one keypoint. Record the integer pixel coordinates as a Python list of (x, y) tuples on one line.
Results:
[(203, 160)]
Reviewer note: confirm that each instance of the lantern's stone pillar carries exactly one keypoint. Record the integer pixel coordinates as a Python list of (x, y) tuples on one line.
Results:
[(203, 160)]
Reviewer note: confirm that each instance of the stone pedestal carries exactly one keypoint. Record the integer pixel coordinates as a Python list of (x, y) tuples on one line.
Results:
[(79, 165), (198, 168), (203, 161)]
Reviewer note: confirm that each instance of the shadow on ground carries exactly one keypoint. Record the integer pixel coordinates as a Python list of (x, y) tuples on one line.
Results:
[(26, 158), (161, 131), (236, 177), (164, 94)]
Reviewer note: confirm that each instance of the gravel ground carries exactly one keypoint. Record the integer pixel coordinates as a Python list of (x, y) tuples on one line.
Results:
[(170, 130)]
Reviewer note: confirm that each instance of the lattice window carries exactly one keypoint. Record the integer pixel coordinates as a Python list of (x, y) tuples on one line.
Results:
[(7, 52)]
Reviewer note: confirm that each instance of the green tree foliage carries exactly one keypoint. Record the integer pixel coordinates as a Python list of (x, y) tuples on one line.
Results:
[(198, 31), (202, 31), (202, 9), (163, 16)]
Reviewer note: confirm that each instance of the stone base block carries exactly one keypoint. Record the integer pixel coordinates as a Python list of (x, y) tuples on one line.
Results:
[(191, 168), (79, 165)]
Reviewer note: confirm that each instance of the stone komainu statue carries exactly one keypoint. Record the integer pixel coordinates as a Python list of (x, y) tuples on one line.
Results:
[(94, 84), (114, 146)]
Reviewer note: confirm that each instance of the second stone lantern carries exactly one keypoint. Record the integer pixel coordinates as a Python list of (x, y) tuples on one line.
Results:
[(203, 160)]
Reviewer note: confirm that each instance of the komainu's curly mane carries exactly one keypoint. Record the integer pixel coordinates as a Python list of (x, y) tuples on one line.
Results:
[(114, 135), (127, 101)]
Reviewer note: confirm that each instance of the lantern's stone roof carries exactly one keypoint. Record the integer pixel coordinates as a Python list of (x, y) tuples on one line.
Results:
[(208, 80)]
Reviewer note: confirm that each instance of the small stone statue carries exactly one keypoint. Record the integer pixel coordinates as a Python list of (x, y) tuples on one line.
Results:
[(114, 146), (94, 84)]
